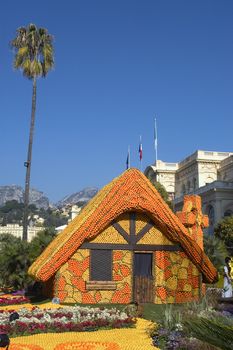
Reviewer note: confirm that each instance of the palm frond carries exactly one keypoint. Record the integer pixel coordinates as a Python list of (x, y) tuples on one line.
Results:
[(27, 69), (34, 51), (36, 68), (18, 62), (23, 51)]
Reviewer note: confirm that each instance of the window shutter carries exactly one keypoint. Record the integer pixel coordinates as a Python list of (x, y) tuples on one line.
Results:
[(101, 265)]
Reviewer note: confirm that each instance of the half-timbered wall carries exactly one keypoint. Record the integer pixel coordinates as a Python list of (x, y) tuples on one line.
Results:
[(176, 279), (72, 280)]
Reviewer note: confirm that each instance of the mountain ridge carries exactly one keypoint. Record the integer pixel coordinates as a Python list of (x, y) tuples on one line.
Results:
[(81, 196), (40, 200)]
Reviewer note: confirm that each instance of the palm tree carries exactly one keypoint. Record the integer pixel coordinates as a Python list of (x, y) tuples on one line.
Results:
[(34, 57)]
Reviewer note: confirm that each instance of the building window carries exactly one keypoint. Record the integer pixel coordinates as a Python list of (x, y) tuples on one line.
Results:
[(211, 215), (209, 180), (228, 212), (183, 189), (101, 265), (194, 183)]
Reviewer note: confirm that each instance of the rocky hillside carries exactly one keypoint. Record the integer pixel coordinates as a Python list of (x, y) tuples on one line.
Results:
[(14, 192), (82, 196)]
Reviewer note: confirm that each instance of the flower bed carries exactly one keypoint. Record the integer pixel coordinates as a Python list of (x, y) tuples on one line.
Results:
[(134, 338), (194, 328), (76, 319), (12, 300)]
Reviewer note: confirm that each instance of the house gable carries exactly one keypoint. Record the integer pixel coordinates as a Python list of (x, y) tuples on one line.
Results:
[(139, 234), (155, 236), (109, 235)]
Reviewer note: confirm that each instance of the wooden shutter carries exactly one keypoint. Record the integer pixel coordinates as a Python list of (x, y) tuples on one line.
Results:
[(101, 265)]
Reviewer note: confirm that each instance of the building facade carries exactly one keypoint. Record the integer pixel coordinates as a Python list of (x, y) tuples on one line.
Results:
[(17, 230), (205, 173)]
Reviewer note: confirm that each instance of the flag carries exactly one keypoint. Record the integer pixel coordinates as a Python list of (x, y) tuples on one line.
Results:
[(128, 159), (140, 149)]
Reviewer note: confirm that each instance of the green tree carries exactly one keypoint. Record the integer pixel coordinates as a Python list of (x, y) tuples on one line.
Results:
[(17, 255), (224, 231), (14, 262), (54, 219), (216, 250), (162, 191), (34, 56), (40, 242), (12, 212)]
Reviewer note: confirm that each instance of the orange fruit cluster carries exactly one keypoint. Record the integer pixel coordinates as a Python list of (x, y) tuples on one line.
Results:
[(87, 346), (117, 255), (181, 297), (122, 296), (24, 347), (162, 259), (79, 283), (161, 292)]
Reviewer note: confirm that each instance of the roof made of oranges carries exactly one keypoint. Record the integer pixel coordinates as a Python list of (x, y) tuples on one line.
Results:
[(131, 191)]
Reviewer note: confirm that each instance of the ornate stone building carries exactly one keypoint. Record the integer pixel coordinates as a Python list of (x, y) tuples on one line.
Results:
[(17, 230), (208, 174)]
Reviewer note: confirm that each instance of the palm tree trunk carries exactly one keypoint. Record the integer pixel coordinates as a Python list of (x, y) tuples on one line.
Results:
[(28, 163)]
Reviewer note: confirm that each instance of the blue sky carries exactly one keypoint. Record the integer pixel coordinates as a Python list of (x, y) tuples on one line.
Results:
[(118, 64)]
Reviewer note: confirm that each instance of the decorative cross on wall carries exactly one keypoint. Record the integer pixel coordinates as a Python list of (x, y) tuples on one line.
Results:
[(193, 219)]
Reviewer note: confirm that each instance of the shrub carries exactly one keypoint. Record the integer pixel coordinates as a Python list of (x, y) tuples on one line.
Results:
[(211, 331)]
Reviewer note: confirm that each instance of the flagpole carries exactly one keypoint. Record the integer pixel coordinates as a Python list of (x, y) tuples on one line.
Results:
[(155, 142), (128, 159), (140, 152), (129, 155)]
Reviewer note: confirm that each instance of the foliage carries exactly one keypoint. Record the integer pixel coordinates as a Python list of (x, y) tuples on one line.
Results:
[(195, 344), (40, 242), (16, 256), (224, 231), (81, 203), (216, 250), (33, 51), (193, 326), (171, 318), (12, 212), (162, 191), (211, 331), (14, 262), (53, 218)]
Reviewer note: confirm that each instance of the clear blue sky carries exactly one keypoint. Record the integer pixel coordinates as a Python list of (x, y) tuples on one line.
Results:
[(118, 63)]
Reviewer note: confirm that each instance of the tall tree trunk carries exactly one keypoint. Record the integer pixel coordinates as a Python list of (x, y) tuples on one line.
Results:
[(28, 163)]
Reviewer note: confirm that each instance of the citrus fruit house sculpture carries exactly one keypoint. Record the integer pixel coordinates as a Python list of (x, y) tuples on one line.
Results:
[(127, 245)]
